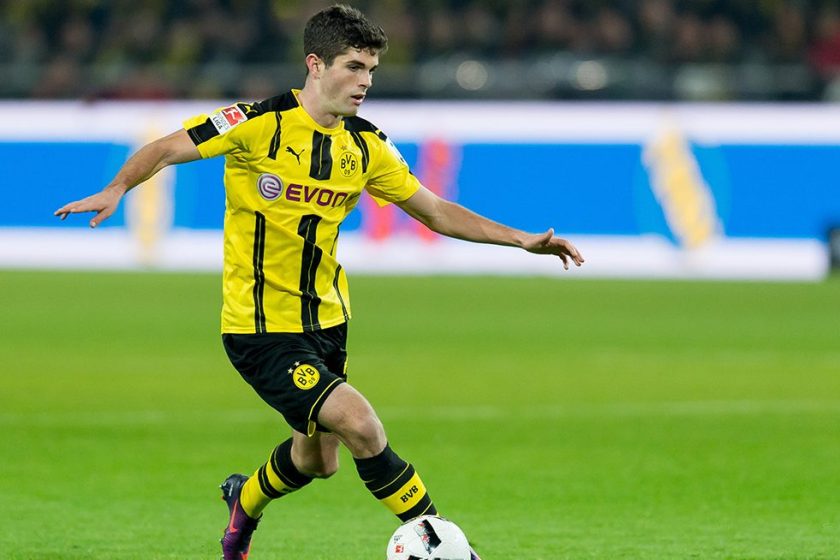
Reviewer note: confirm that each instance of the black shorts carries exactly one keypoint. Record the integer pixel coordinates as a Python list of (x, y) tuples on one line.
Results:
[(292, 372)]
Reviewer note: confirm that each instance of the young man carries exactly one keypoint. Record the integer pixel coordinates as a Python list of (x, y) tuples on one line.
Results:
[(295, 167)]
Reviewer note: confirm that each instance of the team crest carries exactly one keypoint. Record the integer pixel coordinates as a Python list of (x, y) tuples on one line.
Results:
[(306, 376), (270, 186), (348, 164)]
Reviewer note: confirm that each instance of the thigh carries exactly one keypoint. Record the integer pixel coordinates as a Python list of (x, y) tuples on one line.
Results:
[(287, 371), (350, 416)]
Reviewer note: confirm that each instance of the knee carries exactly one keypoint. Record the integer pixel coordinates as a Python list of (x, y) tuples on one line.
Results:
[(348, 415), (364, 435)]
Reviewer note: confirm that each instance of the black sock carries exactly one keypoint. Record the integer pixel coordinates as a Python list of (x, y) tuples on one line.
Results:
[(394, 482)]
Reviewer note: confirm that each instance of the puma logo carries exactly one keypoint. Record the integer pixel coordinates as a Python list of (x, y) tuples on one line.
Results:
[(296, 154)]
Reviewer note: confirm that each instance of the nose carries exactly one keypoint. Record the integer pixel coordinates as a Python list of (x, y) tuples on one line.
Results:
[(366, 79)]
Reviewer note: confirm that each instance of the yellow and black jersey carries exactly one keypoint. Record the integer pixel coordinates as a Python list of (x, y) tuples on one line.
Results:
[(289, 184)]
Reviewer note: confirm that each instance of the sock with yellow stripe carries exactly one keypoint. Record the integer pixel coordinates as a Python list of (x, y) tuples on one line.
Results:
[(393, 482), (276, 478)]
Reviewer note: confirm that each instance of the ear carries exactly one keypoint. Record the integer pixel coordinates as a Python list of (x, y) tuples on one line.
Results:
[(315, 65)]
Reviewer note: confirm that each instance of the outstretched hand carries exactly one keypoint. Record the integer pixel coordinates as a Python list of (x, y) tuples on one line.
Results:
[(104, 203), (547, 244)]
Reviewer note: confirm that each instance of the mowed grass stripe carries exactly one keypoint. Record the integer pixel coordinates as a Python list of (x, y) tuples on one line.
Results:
[(464, 413)]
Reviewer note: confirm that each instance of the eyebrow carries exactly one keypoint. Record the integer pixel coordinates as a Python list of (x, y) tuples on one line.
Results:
[(362, 64)]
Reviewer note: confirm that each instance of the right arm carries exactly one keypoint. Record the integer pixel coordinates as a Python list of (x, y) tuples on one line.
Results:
[(151, 158)]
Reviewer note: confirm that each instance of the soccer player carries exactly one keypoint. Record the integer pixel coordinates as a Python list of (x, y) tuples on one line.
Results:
[(295, 166)]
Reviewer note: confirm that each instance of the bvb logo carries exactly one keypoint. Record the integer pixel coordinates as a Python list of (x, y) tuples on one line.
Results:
[(348, 164), (306, 376)]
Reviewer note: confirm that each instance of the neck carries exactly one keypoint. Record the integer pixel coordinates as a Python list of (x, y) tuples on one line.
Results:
[(310, 102)]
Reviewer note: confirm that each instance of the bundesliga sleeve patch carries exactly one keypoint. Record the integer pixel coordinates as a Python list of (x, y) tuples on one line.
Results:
[(227, 118), (395, 151)]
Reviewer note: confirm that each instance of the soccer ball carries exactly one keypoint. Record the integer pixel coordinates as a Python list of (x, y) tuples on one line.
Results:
[(428, 537)]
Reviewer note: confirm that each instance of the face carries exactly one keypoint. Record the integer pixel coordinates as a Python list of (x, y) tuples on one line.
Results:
[(344, 84)]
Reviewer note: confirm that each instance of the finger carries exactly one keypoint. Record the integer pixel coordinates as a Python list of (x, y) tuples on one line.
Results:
[(576, 256), (101, 216), (543, 239), (565, 261), (64, 210), (75, 208), (547, 236)]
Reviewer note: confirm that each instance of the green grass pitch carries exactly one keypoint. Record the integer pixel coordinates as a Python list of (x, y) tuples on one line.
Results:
[(552, 419)]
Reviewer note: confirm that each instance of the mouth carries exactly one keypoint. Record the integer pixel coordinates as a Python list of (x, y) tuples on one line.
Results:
[(358, 98)]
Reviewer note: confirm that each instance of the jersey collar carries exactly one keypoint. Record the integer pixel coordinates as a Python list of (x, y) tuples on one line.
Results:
[(308, 118)]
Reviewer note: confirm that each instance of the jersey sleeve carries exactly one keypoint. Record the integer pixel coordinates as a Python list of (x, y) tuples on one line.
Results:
[(221, 132), (391, 180)]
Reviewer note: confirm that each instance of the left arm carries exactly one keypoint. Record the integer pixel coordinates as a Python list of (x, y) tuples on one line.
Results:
[(453, 220)]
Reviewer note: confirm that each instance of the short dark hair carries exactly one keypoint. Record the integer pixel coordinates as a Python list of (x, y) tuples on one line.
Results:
[(332, 31)]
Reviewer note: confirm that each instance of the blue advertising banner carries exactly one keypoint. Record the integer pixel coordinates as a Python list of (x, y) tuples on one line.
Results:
[(687, 182), (768, 191)]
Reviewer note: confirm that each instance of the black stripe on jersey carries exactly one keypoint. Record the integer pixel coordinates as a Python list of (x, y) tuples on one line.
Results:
[(320, 166), (358, 124), (362, 144), (275, 140), (259, 274), (335, 240), (310, 259), (282, 102), (338, 292), (337, 276), (202, 132)]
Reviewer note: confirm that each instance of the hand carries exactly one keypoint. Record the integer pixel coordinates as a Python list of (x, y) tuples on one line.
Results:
[(104, 203), (547, 244)]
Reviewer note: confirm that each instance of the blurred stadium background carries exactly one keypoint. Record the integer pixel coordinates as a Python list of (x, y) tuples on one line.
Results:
[(647, 49), (625, 418)]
